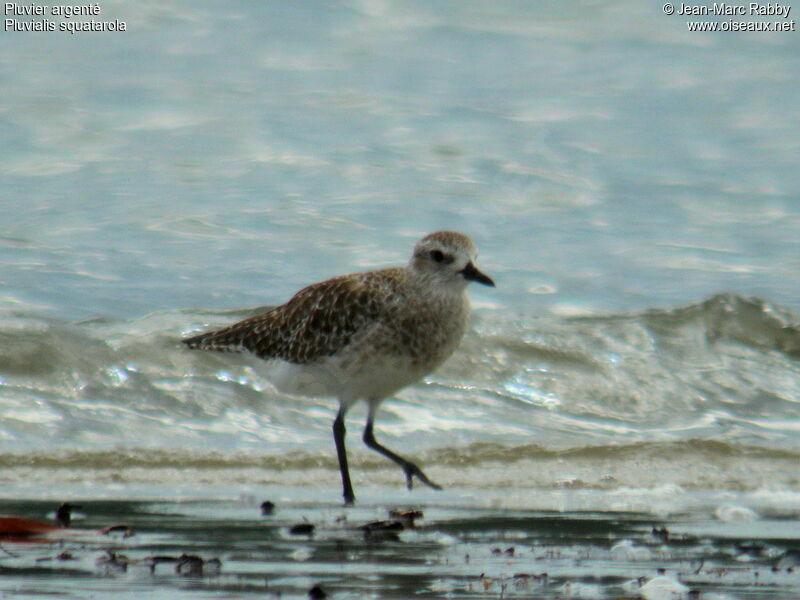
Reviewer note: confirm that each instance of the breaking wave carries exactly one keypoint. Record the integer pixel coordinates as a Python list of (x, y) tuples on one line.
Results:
[(598, 400)]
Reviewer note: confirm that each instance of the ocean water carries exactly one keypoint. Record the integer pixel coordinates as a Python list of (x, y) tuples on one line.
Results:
[(633, 190)]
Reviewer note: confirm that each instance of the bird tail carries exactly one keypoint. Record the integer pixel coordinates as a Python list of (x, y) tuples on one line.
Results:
[(196, 342), (215, 341)]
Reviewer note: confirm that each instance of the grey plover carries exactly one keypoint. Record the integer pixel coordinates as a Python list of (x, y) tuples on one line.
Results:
[(364, 336)]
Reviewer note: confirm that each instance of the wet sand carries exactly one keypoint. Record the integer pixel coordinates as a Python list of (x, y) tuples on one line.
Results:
[(231, 549)]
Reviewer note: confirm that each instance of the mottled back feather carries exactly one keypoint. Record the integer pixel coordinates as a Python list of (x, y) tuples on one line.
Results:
[(318, 321)]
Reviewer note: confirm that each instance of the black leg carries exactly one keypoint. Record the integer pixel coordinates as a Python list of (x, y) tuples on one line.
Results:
[(339, 432), (410, 469)]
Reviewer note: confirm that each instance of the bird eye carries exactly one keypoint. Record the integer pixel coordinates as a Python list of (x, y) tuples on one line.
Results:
[(437, 255)]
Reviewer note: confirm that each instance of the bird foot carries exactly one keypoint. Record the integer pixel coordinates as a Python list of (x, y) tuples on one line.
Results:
[(411, 470)]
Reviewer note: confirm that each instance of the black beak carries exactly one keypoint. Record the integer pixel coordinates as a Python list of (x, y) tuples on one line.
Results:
[(471, 273)]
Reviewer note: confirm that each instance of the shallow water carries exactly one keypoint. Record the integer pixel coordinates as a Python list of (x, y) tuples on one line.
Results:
[(455, 550), (632, 189), (568, 442)]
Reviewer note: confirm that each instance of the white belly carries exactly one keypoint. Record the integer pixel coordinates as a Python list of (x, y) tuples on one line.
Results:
[(348, 380)]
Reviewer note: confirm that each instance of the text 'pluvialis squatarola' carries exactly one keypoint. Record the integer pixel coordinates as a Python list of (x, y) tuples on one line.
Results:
[(364, 336)]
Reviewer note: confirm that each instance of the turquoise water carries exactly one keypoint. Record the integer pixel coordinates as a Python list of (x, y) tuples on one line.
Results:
[(601, 155), (632, 188)]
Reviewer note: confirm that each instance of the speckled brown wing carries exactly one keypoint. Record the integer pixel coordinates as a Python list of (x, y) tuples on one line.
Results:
[(318, 321)]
